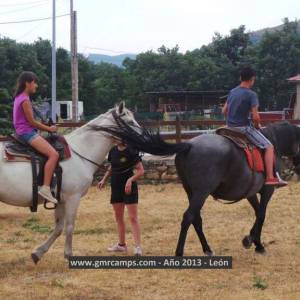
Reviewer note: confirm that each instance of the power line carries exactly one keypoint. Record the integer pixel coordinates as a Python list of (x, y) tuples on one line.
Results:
[(22, 9), (26, 3), (28, 32), (32, 20), (107, 50)]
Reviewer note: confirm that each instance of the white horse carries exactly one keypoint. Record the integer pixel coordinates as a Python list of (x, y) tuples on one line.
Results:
[(16, 177)]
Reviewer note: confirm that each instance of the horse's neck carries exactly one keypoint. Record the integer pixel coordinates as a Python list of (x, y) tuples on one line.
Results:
[(90, 144)]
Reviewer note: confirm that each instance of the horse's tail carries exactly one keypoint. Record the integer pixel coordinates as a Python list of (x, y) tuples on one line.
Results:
[(143, 139)]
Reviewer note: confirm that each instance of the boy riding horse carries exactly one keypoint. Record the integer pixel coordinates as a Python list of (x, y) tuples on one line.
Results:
[(240, 103)]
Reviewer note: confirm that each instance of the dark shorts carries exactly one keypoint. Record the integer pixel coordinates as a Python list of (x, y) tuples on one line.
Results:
[(118, 194), (29, 136)]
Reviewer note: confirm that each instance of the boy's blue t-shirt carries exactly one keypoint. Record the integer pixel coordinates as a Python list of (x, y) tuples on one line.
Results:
[(240, 101)]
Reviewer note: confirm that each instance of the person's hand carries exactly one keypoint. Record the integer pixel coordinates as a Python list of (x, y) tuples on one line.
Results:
[(53, 129), (258, 126), (101, 184), (128, 187)]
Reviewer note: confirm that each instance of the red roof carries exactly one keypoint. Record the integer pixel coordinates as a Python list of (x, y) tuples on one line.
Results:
[(295, 78)]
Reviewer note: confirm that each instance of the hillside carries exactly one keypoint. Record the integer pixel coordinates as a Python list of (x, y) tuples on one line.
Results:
[(256, 36), (115, 60)]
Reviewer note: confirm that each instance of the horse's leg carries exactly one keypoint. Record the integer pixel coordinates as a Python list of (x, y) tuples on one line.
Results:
[(72, 204), (59, 215), (198, 227), (266, 194), (196, 203), (187, 219), (248, 239)]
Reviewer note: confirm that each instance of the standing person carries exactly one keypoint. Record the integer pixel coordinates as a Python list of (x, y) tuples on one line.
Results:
[(124, 192), (240, 103), (26, 128)]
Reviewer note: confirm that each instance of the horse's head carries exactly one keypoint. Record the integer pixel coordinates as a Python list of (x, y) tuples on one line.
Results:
[(118, 123), (122, 115)]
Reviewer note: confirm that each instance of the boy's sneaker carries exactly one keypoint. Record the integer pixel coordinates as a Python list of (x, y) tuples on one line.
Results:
[(46, 194), (137, 251), (276, 182), (117, 248)]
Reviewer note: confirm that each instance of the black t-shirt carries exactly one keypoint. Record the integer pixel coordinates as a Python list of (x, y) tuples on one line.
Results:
[(122, 163)]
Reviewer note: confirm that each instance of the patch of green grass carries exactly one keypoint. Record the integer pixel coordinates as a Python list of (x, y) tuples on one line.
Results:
[(11, 241), (33, 224), (260, 283), (28, 240), (57, 283), (298, 241), (18, 233), (91, 231)]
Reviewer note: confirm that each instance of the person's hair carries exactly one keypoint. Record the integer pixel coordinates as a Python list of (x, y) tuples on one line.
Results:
[(247, 73), (24, 77)]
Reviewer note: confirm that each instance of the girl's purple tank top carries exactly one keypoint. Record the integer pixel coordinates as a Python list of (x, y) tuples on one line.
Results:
[(20, 122)]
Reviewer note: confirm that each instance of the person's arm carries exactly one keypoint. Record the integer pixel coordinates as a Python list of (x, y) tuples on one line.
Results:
[(225, 109), (255, 117), (139, 168), (254, 110), (139, 171), (27, 108), (103, 180)]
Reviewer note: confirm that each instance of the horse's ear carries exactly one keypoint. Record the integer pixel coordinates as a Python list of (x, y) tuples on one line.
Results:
[(121, 107)]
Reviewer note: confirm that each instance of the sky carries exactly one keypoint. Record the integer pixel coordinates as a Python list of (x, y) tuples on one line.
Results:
[(132, 26)]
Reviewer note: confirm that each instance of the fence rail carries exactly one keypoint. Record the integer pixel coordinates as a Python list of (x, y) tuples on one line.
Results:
[(179, 134)]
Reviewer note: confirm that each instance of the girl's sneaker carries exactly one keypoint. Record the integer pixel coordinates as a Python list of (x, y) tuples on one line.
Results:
[(137, 251), (46, 194), (117, 248)]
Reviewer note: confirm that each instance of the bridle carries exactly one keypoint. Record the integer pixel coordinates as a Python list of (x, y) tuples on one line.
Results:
[(101, 167)]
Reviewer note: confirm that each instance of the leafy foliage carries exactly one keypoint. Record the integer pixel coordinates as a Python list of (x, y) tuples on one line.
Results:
[(215, 66)]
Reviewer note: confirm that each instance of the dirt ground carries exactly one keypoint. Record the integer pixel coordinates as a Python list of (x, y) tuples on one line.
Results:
[(273, 276)]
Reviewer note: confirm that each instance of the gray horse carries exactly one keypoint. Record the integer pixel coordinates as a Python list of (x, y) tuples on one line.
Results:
[(210, 164)]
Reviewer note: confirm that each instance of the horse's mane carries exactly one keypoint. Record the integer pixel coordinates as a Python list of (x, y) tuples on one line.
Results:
[(141, 138), (284, 136)]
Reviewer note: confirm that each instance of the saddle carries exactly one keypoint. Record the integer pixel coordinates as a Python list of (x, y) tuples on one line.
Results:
[(15, 150), (252, 152)]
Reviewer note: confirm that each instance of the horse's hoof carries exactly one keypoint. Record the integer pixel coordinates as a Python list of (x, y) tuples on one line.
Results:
[(247, 241), (260, 250), (35, 258), (209, 253)]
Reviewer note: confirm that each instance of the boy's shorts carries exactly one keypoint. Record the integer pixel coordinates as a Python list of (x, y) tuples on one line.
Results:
[(255, 136)]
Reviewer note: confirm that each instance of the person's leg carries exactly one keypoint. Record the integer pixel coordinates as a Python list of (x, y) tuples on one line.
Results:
[(119, 216), (134, 221), (42, 146), (258, 139), (269, 162)]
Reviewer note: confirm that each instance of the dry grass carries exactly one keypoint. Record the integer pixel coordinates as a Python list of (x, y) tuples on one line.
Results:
[(274, 276)]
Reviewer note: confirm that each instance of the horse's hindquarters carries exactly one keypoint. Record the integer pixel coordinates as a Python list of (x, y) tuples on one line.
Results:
[(16, 183)]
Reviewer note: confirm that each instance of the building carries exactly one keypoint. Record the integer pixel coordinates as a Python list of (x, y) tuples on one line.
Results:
[(64, 110), (179, 101), (296, 80)]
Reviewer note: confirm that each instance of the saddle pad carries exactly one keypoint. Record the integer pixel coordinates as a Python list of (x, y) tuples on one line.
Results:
[(12, 158), (14, 151), (255, 159)]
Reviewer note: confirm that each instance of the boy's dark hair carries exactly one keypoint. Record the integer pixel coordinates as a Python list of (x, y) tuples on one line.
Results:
[(24, 77), (247, 73)]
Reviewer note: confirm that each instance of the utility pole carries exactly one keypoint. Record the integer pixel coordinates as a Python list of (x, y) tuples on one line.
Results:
[(53, 93), (74, 63)]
